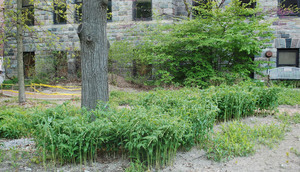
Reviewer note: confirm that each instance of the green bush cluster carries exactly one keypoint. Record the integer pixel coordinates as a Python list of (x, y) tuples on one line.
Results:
[(242, 100), (151, 131), (14, 122), (142, 134), (193, 53), (188, 104)]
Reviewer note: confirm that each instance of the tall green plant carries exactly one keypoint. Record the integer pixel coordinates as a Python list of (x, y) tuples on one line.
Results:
[(215, 42)]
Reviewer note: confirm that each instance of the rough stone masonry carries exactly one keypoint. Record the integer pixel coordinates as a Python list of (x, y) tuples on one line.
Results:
[(124, 18)]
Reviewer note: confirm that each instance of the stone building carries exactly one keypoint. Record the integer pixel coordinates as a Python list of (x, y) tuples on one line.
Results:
[(125, 14)]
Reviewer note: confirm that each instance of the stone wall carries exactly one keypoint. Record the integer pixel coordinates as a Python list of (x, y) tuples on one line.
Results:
[(286, 29), (48, 37)]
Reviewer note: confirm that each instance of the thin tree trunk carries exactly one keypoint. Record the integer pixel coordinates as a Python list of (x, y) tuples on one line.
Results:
[(94, 53), (22, 97)]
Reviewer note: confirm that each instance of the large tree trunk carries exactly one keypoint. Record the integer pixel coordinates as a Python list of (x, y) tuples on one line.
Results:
[(22, 97), (94, 53)]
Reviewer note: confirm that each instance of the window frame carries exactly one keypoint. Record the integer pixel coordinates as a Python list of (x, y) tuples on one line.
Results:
[(30, 65), (55, 15), (109, 10), (287, 50), (253, 4), (196, 4), (295, 14), (30, 8), (77, 17), (135, 12)]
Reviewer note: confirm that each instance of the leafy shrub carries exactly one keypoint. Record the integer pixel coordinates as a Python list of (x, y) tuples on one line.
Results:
[(14, 123), (287, 83), (234, 102), (151, 131), (193, 53), (9, 82), (188, 104), (242, 100), (145, 135), (267, 98)]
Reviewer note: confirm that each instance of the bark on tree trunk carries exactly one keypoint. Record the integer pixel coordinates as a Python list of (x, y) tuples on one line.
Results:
[(22, 97), (94, 53)]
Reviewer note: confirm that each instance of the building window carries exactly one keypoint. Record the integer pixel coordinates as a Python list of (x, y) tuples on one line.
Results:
[(78, 11), (29, 64), (288, 57), (202, 4), (142, 10), (109, 11), (60, 16), (60, 63), (248, 3), (28, 12), (289, 8)]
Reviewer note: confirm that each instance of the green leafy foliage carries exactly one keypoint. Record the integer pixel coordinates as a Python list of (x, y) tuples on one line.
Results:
[(7, 84), (188, 104), (14, 122), (145, 135), (287, 83), (217, 43), (242, 100), (150, 131)]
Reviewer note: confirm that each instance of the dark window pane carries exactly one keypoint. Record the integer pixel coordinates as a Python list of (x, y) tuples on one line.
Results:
[(60, 63), (26, 3), (142, 10), (288, 7), (78, 11), (29, 64), (28, 12), (109, 11), (203, 4), (288, 57), (248, 4), (60, 12)]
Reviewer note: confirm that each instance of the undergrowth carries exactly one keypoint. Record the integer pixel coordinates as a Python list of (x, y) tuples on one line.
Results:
[(151, 131), (289, 96), (239, 139)]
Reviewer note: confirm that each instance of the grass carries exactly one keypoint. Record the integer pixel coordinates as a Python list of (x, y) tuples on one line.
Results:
[(289, 96), (238, 139), (295, 151), (121, 98), (289, 119)]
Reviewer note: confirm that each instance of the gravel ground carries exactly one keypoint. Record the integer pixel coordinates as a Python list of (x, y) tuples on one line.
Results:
[(21, 144)]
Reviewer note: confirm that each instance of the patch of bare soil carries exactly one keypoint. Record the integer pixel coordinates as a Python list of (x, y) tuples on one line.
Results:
[(280, 158), (117, 83)]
